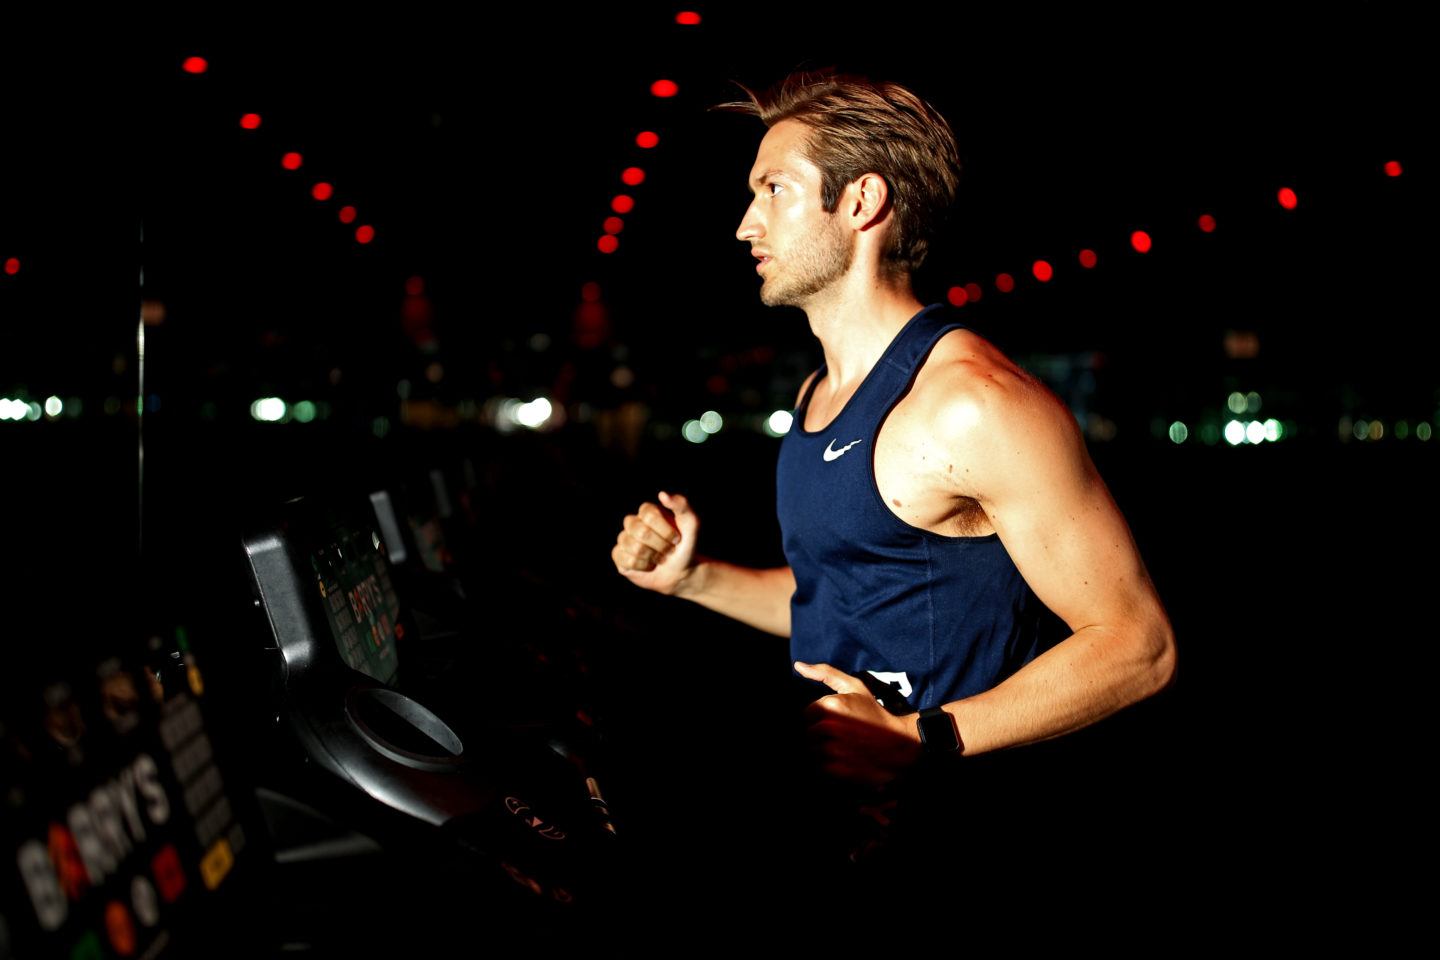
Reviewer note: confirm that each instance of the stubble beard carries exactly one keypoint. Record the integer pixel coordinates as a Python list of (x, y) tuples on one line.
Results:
[(811, 269)]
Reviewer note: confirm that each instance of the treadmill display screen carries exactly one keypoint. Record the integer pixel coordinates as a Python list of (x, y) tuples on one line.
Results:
[(360, 602)]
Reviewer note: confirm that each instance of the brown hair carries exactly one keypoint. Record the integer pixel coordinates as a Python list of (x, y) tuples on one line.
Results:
[(862, 126)]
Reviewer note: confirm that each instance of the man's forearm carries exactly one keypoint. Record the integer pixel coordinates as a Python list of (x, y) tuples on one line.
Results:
[(760, 598), (1093, 673)]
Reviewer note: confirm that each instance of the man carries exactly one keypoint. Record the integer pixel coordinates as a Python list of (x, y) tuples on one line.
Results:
[(929, 490)]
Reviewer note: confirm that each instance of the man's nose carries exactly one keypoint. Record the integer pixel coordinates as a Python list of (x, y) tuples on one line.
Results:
[(749, 226)]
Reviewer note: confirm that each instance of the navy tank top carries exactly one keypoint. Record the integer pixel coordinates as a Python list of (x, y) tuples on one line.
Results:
[(937, 617)]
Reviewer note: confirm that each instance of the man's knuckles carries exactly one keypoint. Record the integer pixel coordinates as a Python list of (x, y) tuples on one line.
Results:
[(628, 556), (624, 561), (643, 552), (633, 531), (650, 523)]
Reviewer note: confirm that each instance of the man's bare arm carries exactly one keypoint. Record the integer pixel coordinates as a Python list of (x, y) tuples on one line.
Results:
[(1093, 673), (760, 598), (1037, 484), (656, 550)]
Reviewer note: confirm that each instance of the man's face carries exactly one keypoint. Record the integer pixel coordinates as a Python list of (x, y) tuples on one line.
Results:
[(807, 248)]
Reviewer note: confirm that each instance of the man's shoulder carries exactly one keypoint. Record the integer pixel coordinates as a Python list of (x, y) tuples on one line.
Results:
[(968, 382), (987, 409)]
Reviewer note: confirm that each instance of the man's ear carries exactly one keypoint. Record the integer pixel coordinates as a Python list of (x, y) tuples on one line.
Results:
[(867, 198)]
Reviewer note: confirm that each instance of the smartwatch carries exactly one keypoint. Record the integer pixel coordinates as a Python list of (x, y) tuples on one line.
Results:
[(938, 735)]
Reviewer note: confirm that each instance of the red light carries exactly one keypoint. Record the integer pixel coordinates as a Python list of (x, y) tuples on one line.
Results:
[(1287, 198), (195, 65), (415, 286), (291, 161), (169, 875), (1140, 240), (347, 214), (1004, 283), (364, 234), (322, 191), (251, 121), (1087, 258), (973, 291), (1392, 168), (957, 296), (622, 204), (633, 176), (664, 88), (687, 18), (12, 266), (590, 292), (1043, 271), (607, 243), (614, 224), (647, 139), (1207, 223)]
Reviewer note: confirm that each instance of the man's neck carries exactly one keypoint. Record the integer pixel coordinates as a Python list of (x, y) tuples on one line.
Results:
[(855, 325)]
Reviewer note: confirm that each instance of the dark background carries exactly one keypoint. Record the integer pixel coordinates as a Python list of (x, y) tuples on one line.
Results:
[(1299, 575)]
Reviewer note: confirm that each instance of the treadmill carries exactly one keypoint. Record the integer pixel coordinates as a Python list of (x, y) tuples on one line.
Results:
[(486, 824)]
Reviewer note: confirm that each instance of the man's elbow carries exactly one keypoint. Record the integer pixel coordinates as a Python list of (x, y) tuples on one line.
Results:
[(1160, 656)]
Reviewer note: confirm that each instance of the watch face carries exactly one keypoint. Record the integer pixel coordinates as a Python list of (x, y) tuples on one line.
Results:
[(937, 732)]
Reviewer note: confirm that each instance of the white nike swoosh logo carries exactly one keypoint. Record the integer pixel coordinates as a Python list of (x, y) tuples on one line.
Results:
[(832, 454)]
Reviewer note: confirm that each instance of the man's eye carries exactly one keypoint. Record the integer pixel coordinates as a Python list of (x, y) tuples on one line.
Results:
[(769, 185)]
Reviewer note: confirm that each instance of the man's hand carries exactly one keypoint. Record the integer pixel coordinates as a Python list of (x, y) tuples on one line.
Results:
[(656, 546), (857, 739)]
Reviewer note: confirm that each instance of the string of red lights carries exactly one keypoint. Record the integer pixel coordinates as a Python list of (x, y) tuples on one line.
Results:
[(958, 295), (322, 191)]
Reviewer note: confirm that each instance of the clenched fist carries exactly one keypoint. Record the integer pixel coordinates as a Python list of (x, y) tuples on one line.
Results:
[(656, 547)]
